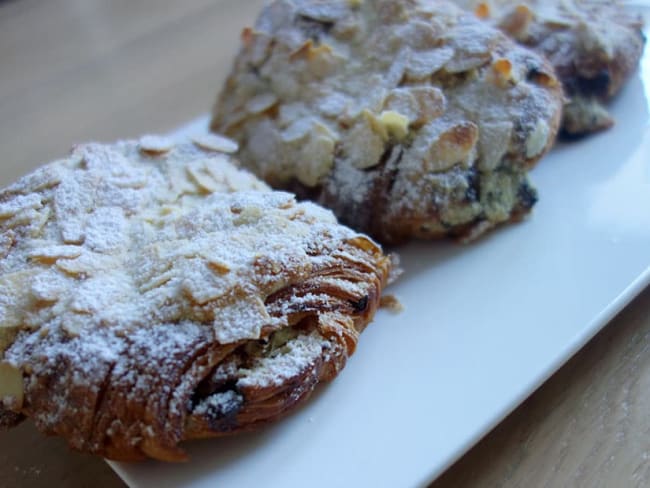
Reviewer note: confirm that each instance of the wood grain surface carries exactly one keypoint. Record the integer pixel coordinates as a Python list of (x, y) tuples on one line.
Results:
[(78, 70)]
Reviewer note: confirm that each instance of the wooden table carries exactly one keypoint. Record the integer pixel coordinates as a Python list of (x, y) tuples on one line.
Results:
[(78, 70)]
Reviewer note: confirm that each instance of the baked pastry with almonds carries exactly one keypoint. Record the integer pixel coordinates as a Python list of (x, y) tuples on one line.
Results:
[(153, 293), (409, 119), (594, 45)]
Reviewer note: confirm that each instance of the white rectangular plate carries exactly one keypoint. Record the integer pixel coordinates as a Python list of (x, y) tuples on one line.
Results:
[(484, 325)]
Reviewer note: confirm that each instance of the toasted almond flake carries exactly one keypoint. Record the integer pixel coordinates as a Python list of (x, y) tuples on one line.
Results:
[(482, 10), (375, 124), (494, 140), (52, 253), (75, 323), (157, 281), (297, 131), (392, 303), (318, 160), (217, 168), (42, 178), (87, 264), (218, 266), (503, 67), (365, 145), (13, 300), (156, 144), (202, 179), (397, 125), (48, 287), (517, 23), (261, 103), (544, 79), (403, 101), (19, 204), (203, 293), (308, 51), (538, 139), (260, 47), (453, 147), (236, 180), (423, 64), (467, 62), (180, 181), (324, 130), (431, 103), (241, 319), (215, 142), (322, 11)]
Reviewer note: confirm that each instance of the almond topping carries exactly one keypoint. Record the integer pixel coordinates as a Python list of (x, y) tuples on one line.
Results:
[(215, 142), (482, 10), (156, 144)]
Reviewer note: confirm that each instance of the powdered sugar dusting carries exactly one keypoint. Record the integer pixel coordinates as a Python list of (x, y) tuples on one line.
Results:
[(402, 159), (594, 46), (128, 276), (296, 356), (140, 244), (219, 404)]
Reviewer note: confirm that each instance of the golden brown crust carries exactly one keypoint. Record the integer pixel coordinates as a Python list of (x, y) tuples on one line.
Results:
[(153, 293), (406, 118)]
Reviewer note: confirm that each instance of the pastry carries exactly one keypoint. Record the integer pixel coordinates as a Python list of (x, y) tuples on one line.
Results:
[(594, 46), (153, 293), (409, 119)]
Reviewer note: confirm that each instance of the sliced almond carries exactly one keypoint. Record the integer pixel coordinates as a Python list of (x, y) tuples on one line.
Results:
[(261, 103), (318, 160), (494, 141), (517, 22), (423, 64), (537, 139), (453, 147), (156, 144), (50, 254), (218, 266), (431, 103), (403, 101), (19, 204), (215, 142), (229, 326), (482, 10), (396, 124), (365, 143), (465, 62), (202, 178), (503, 74), (13, 304)]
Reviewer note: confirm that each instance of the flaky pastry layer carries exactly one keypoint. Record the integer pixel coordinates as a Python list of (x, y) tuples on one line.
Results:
[(152, 293)]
